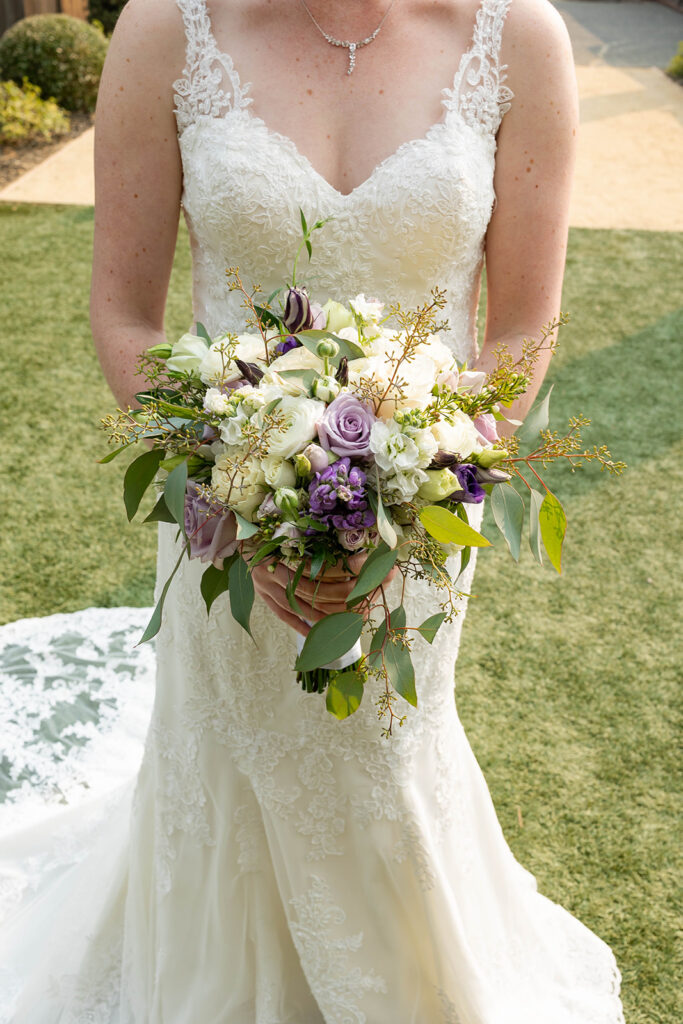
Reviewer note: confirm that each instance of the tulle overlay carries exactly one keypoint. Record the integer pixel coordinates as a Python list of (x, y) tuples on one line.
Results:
[(264, 863)]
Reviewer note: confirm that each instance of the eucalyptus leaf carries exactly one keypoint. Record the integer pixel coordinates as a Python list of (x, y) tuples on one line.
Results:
[(160, 512), (430, 626), (241, 592), (535, 541), (112, 455), (536, 419), (138, 477), (174, 493), (508, 512), (448, 528), (245, 529), (271, 406), (317, 560), (465, 556), (154, 624), (395, 656), (553, 523), (215, 582), (265, 550), (290, 589), (329, 639), (267, 316), (344, 694), (375, 569), (204, 334)]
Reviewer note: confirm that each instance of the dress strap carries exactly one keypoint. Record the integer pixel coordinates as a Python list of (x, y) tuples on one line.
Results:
[(479, 92), (209, 84)]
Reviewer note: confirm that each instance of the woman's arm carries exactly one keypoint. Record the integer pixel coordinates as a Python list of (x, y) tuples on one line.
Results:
[(527, 237), (137, 189)]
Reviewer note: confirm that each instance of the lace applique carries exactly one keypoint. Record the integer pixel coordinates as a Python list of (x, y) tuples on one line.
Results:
[(199, 93), (479, 93), (338, 986), (91, 996)]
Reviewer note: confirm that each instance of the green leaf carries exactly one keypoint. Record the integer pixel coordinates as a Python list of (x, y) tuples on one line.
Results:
[(430, 626), (508, 512), (112, 455), (397, 660), (154, 624), (271, 406), (465, 556), (536, 419), (329, 639), (448, 528), (375, 569), (553, 523), (536, 500), (245, 529), (303, 377), (204, 334), (174, 493), (172, 462), (215, 581), (304, 225), (267, 317), (346, 348), (317, 559), (344, 694), (385, 527), (290, 589), (138, 477), (160, 513), (241, 592), (266, 549)]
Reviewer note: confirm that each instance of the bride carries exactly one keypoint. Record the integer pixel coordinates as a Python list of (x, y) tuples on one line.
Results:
[(269, 864)]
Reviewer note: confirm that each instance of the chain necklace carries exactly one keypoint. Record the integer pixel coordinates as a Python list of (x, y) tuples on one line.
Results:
[(351, 47)]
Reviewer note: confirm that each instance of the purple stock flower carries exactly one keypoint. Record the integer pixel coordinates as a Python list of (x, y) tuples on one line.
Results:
[(288, 343), (212, 533), (471, 492), (345, 426), (337, 497)]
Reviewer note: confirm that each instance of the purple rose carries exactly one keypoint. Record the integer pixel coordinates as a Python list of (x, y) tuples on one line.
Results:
[(337, 497), (471, 492), (212, 533), (346, 425), (486, 426), (354, 540)]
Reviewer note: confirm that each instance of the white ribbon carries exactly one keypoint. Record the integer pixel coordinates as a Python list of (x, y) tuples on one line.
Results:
[(346, 659)]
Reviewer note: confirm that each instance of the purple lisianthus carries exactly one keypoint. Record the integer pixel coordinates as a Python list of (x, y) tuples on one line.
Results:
[(297, 315), (211, 532), (337, 497), (471, 492), (288, 343), (345, 426)]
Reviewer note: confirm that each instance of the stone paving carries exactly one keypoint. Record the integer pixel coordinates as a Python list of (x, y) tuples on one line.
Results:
[(630, 143)]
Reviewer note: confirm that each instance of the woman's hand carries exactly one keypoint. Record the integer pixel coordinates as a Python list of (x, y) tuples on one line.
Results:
[(316, 598)]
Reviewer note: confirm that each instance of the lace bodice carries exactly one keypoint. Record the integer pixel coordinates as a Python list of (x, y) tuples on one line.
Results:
[(417, 221)]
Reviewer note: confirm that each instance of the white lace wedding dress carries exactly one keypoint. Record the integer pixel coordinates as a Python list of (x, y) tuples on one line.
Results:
[(269, 864)]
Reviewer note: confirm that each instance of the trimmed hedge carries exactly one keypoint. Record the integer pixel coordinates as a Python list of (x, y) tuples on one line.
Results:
[(105, 13), (62, 55), (24, 116)]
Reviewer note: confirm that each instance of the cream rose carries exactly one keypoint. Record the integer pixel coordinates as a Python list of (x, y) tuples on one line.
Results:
[(217, 367), (278, 471), (242, 487), (459, 437), (300, 418), (187, 354)]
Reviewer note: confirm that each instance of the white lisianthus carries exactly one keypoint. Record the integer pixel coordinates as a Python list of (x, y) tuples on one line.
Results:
[(187, 354), (218, 365), (369, 310), (440, 483), (394, 451), (471, 381), (230, 429), (216, 402), (300, 418), (457, 435), (242, 487), (402, 486), (278, 471), (337, 316)]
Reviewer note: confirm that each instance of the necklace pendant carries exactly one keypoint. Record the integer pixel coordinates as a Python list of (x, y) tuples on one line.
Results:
[(352, 58)]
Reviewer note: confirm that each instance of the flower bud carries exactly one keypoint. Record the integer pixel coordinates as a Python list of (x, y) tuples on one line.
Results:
[(440, 484), (161, 351), (287, 500), (443, 460), (250, 371), (342, 374), (302, 465), (325, 388), (491, 457), (297, 315), (491, 476), (327, 347), (317, 458)]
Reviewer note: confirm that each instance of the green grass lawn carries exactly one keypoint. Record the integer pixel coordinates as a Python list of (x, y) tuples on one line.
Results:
[(567, 685)]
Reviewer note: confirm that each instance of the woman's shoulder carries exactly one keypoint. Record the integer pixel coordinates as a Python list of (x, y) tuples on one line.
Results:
[(534, 31), (154, 27)]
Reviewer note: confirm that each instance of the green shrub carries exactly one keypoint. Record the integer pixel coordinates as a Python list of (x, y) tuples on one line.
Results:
[(105, 13), (24, 116), (675, 68), (60, 54)]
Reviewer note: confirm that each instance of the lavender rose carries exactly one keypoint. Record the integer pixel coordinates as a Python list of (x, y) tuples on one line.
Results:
[(345, 426), (211, 532), (354, 540)]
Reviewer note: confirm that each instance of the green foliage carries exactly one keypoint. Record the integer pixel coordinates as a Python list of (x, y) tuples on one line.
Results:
[(25, 117), (329, 639), (105, 13), (675, 67), (60, 54)]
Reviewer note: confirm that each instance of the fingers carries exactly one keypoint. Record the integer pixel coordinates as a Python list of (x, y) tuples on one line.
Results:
[(286, 615)]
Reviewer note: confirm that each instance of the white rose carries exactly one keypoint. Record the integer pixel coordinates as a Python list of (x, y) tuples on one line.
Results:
[(394, 451), (187, 354), (300, 419), (216, 402), (459, 437), (438, 352), (243, 487), (278, 472), (299, 358)]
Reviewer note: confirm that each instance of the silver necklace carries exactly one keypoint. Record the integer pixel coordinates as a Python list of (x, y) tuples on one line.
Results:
[(351, 47)]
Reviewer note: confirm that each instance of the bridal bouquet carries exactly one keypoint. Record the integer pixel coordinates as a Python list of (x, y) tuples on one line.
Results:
[(330, 430)]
